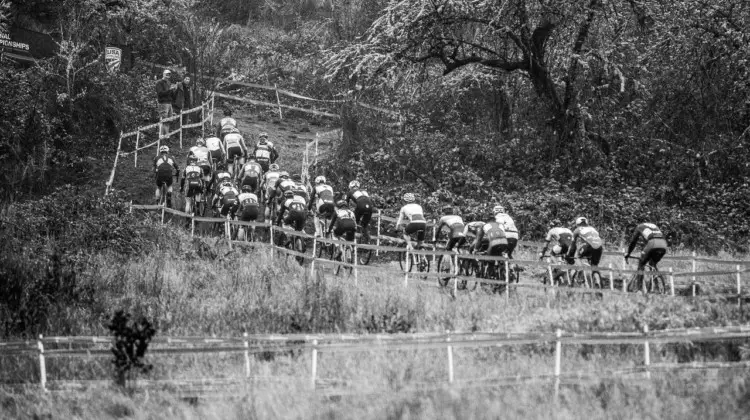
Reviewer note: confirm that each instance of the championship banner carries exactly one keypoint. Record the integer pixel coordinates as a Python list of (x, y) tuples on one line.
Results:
[(113, 58)]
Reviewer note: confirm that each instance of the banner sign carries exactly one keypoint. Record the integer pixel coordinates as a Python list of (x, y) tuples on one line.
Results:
[(26, 45), (113, 58)]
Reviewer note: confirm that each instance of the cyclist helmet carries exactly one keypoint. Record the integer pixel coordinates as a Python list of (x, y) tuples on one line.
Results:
[(284, 175), (447, 209), (228, 111), (227, 183), (273, 167), (409, 197), (251, 158), (263, 136), (247, 188), (288, 194), (354, 184), (164, 149), (582, 221), (320, 179), (296, 178), (220, 166), (191, 160), (200, 142), (498, 209), (341, 203), (556, 250)]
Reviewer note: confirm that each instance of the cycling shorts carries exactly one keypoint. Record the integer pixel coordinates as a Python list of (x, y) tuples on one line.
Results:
[(251, 181), (249, 213), (512, 242), (594, 254), (497, 247), (295, 219), (417, 227), (455, 241), (264, 165), (564, 248), (363, 211), (193, 187), (206, 169), (232, 152), (163, 178), (229, 204), (326, 210), (653, 252), (216, 155), (346, 228)]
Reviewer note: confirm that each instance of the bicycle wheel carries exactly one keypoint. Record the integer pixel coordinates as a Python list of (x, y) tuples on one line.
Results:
[(299, 246), (363, 254), (347, 256), (660, 285), (444, 265)]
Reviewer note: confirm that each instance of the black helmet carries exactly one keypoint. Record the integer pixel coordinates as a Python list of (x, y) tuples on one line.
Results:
[(247, 188), (297, 178)]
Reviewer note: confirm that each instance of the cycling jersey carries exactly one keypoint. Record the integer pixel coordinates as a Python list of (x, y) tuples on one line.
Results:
[(282, 186), (214, 143), (322, 197), (589, 235), (563, 236), (265, 153), (509, 226), (220, 176), (472, 228), (248, 206), (295, 209), (164, 167), (228, 200), (343, 224), (364, 208), (227, 123), (301, 190), (200, 152), (491, 237), (655, 246), (413, 212), (251, 170)]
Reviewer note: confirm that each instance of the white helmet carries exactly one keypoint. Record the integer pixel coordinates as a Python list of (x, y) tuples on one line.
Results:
[(409, 197), (581, 221), (273, 167), (320, 179), (354, 184), (164, 149), (498, 209)]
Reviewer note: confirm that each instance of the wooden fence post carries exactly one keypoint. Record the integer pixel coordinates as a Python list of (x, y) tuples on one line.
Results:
[(558, 361), (450, 361), (203, 121), (551, 276), (671, 281), (228, 231), (455, 274), (695, 269), (192, 226), (247, 355), (312, 262), (739, 286), (182, 113), (646, 353), (314, 368), (163, 209), (507, 281), (211, 114), (611, 278), (278, 101), (377, 240), (42, 364), (434, 245), (406, 267), (356, 270), (137, 141)]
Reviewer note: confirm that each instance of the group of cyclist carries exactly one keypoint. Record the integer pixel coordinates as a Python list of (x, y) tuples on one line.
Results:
[(239, 181)]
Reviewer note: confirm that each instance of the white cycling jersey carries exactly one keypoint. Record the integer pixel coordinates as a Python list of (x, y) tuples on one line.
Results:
[(226, 189), (509, 226), (413, 212), (361, 193), (193, 169), (200, 152), (228, 123), (248, 196), (213, 143), (590, 236), (323, 194), (270, 178), (473, 227), (252, 167), (343, 214), (233, 140)]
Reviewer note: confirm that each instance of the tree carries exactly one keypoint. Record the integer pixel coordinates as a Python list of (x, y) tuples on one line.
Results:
[(547, 41)]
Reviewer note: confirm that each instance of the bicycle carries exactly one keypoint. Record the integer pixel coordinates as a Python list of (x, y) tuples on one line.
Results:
[(656, 282), (346, 255), (324, 248), (589, 279), (363, 254), (419, 260), (560, 276), (293, 243), (494, 270), (164, 190)]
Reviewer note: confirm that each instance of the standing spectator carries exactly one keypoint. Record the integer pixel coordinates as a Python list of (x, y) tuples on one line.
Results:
[(164, 93), (188, 92), (178, 98)]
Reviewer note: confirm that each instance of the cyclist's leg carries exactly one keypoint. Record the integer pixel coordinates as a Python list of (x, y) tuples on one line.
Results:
[(365, 223), (511, 246)]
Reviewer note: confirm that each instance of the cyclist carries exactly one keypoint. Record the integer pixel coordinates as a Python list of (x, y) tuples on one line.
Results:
[(282, 185), (364, 209), (234, 144), (471, 230), (509, 226), (216, 149), (227, 123), (563, 238), (322, 199), (343, 223), (591, 246), (416, 221), (299, 188), (250, 174), (227, 197), (492, 238), (294, 207), (268, 186), (201, 154), (164, 168), (264, 151), (654, 248), (455, 225), (249, 208), (192, 176)]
